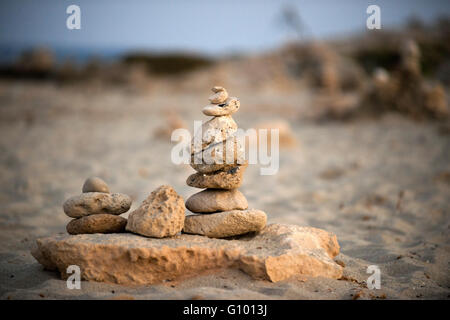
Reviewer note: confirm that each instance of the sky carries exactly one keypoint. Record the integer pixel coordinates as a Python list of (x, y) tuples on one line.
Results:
[(209, 26)]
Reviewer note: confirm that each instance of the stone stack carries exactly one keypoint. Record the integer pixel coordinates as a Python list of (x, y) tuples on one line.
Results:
[(96, 210), (218, 157)]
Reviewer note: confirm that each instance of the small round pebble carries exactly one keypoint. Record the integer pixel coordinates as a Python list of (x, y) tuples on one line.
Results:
[(216, 89), (95, 184)]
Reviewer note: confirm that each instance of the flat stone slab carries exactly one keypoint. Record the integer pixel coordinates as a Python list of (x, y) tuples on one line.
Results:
[(276, 253)]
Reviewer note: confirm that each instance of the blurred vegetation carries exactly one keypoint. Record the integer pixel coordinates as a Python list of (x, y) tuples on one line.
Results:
[(40, 64), (167, 64), (373, 58), (380, 50)]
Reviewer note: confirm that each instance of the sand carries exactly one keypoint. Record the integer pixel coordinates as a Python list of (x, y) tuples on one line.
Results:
[(382, 186)]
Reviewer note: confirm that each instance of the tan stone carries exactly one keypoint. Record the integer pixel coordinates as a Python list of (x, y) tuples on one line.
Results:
[(95, 184), (97, 223), (219, 97), (44, 260), (216, 89), (160, 215), (214, 200), (213, 131), (225, 224), (276, 253), (210, 168), (89, 203), (220, 156), (230, 106), (230, 179)]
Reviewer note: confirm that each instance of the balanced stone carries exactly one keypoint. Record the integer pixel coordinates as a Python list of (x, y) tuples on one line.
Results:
[(230, 106), (220, 156), (219, 96), (97, 223), (216, 89), (230, 179), (213, 131), (225, 224), (210, 168), (160, 215), (95, 184), (96, 203), (214, 200)]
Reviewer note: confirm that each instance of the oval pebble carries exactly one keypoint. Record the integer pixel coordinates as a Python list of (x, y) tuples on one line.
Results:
[(96, 203)]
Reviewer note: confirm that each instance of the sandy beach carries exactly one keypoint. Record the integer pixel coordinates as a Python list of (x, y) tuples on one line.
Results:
[(381, 185)]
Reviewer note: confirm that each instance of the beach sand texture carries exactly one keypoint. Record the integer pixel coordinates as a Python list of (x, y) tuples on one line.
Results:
[(382, 186)]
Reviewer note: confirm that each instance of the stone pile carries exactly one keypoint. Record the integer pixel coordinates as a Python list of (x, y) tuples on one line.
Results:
[(275, 252), (96, 210), (218, 157)]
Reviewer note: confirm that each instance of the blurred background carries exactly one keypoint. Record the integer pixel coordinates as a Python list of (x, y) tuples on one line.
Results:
[(362, 114), (256, 45)]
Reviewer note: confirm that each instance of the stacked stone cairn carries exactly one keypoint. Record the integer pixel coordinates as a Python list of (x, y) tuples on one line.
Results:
[(221, 210), (96, 210)]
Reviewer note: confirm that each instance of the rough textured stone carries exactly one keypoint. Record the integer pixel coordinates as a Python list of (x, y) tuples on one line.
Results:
[(209, 168), (97, 223), (89, 203), (230, 106), (225, 224), (95, 184), (276, 253), (220, 156), (214, 200), (160, 215), (230, 179), (213, 131)]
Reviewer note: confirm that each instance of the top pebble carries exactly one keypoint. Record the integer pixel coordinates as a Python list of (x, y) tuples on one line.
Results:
[(220, 95), (95, 184)]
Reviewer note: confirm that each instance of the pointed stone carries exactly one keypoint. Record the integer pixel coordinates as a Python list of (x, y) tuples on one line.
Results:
[(160, 215)]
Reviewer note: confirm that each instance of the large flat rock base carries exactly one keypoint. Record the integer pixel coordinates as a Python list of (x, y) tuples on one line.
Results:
[(276, 253)]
